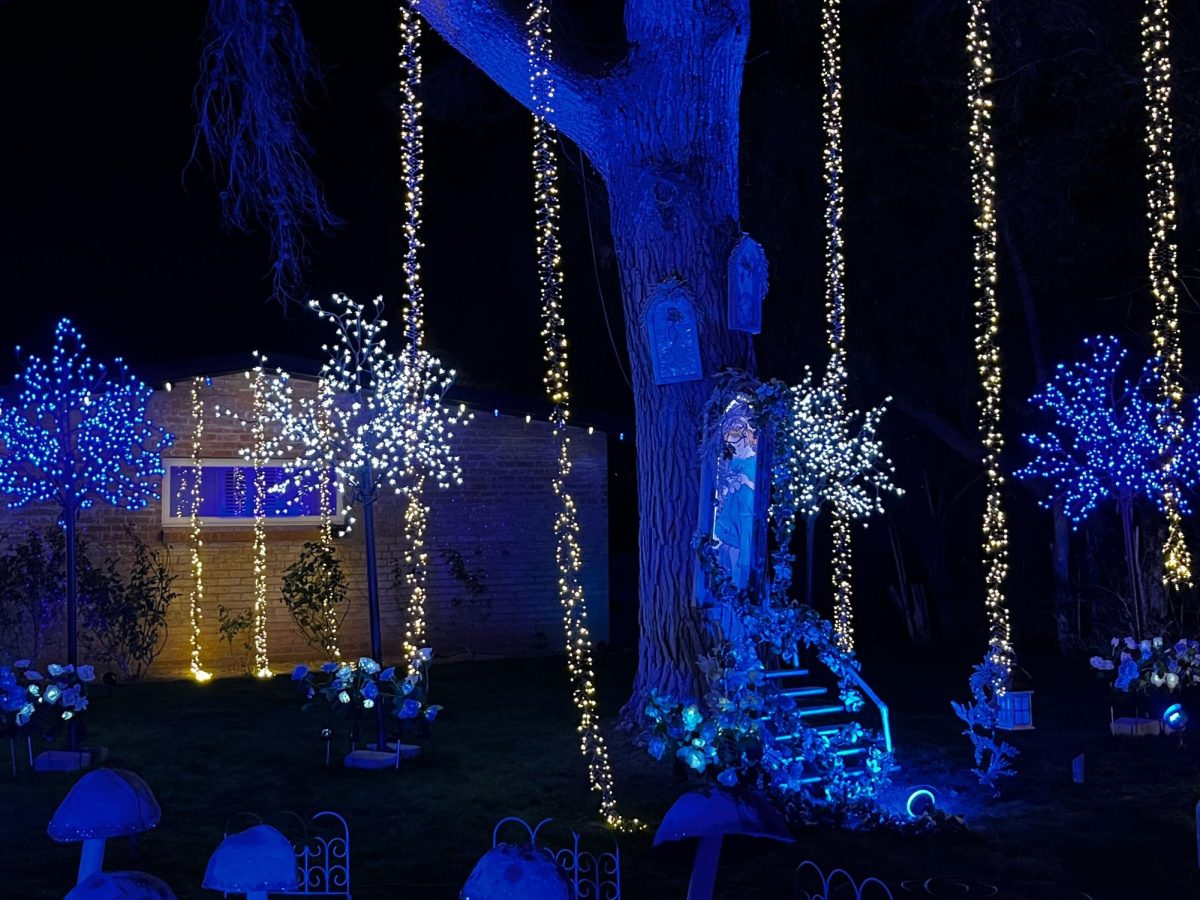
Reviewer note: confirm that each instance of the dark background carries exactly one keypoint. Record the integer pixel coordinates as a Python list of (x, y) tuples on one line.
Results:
[(102, 219)]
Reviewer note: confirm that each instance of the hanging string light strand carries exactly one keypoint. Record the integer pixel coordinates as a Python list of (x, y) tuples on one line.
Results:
[(835, 297), (987, 350), (1164, 273), (568, 553), (196, 540), (412, 155)]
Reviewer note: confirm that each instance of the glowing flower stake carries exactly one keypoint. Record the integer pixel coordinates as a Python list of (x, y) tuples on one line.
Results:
[(835, 299), (566, 524), (987, 350), (77, 434), (196, 541), (1160, 195)]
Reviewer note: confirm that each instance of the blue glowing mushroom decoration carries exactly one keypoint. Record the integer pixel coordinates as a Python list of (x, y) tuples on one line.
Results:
[(121, 886), (103, 804), (516, 872), (254, 862), (708, 817)]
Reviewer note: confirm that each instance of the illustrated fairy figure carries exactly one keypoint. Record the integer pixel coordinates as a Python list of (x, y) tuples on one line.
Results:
[(733, 525)]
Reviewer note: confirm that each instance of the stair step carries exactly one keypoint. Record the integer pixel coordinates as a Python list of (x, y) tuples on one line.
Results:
[(809, 690), (786, 673), (847, 751), (813, 779), (823, 730), (823, 710)]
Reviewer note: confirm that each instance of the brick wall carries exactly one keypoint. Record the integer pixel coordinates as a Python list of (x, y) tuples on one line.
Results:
[(500, 519)]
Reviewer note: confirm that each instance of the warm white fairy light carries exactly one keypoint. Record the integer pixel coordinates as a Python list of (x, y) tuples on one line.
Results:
[(325, 498), (261, 455), (987, 349), (835, 298), (568, 553), (196, 541), (412, 172), (1164, 273), (416, 563)]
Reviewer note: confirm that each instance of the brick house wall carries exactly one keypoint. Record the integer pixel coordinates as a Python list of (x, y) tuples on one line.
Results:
[(500, 519)]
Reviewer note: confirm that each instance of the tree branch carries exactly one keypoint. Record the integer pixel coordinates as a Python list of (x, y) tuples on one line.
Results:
[(493, 38)]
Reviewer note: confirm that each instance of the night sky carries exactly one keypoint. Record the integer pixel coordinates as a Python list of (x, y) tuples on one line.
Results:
[(104, 220)]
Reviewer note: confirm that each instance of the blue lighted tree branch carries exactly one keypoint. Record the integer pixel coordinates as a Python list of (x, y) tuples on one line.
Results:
[(77, 434), (1106, 443), (254, 76)]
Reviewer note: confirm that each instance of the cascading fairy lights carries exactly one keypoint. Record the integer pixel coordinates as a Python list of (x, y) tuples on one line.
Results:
[(1161, 217), (258, 433), (835, 298), (325, 498), (412, 172), (987, 350), (196, 540), (416, 562), (568, 553)]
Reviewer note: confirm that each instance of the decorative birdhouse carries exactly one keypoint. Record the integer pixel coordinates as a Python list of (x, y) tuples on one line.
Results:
[(747, 286), (670, 324), (1016, 711)]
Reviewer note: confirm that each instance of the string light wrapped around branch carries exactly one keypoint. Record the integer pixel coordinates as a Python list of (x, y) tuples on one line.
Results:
[(568, 553), (1164, 273), (987, 350)]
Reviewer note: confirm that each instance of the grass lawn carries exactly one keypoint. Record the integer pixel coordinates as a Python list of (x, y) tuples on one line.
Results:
[(506, 745)]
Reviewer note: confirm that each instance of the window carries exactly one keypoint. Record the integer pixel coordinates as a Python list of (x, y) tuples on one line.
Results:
[(227, 495)]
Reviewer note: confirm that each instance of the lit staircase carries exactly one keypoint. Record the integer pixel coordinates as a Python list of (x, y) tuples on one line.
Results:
[(820, 708)]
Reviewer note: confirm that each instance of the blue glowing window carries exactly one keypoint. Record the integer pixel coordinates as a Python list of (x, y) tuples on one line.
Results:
[(228, 493)]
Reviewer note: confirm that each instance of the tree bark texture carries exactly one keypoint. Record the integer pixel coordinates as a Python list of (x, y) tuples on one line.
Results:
[(662, 129)]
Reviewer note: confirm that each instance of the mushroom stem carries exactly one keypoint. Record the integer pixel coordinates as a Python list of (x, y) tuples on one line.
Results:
[(91, 857), (704, 868)]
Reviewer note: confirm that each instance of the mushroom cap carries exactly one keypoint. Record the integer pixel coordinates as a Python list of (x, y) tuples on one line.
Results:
[(722, 812), (257, 859), (516, 872), (121, 886), (105, 803)]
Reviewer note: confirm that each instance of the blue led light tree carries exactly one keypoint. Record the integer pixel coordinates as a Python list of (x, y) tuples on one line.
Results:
[(77, 434), (1106, 444)]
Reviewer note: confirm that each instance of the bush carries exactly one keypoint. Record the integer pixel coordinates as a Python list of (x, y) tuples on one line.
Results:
[(32, 595), (314, 592), (124, 620)]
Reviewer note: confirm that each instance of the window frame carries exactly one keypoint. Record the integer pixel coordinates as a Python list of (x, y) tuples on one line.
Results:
[(184, 521)]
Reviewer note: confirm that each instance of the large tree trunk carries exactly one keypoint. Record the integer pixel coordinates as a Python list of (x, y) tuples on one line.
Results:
[(662, 130)]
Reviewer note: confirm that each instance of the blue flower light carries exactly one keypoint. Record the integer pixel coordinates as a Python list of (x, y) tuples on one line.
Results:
[(1175, 718)]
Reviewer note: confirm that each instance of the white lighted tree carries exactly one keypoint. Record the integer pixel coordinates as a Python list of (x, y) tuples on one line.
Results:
[(378, 423), (830, 456)]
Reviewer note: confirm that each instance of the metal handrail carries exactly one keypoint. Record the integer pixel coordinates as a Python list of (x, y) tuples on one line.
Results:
[(884, 717)]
